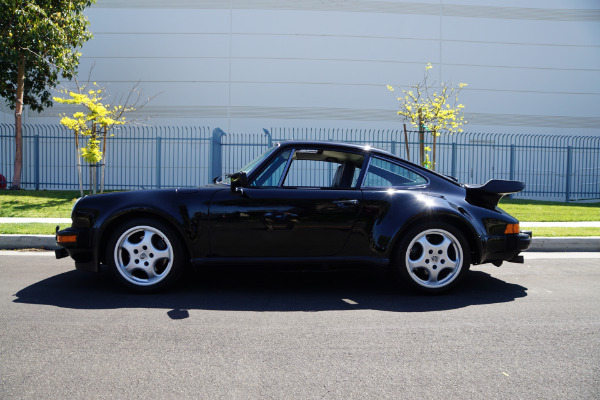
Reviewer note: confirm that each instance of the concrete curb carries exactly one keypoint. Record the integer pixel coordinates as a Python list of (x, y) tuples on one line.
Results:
[(14, 242), (588, 243), (558, 244)]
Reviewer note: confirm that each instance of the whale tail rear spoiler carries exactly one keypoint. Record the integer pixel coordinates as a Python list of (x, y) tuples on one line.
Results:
[(489, 194)]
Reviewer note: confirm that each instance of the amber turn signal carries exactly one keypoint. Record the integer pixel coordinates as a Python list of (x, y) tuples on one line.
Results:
[(66, 239), (512, 228)]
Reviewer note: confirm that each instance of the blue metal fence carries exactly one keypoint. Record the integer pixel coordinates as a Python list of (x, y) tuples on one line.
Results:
[(553, 167)]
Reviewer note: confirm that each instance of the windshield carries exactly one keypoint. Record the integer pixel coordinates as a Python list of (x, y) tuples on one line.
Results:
[(248, 167)]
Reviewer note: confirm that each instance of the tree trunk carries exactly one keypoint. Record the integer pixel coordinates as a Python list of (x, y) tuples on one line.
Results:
[(78, 159), (421, 139), (406, 143), (434, 149), (16, 183), (103, 160)]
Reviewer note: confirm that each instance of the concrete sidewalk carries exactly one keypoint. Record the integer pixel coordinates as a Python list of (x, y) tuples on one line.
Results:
[(555, 244)]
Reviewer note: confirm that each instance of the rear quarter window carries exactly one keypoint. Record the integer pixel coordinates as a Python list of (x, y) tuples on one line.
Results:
[(384, 173)]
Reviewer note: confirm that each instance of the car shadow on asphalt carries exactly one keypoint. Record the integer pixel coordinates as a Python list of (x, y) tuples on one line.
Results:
[(267, 291)]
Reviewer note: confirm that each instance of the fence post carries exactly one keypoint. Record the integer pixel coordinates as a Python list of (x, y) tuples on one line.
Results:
[(216, 153), (453, 169), (568, 180), (511, 171), (158, 161), (36, 161), (269, 137)]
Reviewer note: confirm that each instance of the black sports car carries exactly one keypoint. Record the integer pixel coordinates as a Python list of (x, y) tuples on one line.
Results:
[(301, 203)]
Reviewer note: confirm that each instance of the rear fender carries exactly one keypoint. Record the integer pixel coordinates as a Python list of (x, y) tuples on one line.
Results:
[(387, 230), (455, 219)]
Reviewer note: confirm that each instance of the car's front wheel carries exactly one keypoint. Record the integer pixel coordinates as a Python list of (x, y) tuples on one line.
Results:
[(432, 258), (145, 255)]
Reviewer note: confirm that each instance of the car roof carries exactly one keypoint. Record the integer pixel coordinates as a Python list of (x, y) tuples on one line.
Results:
[(361, 148), (337, 145)]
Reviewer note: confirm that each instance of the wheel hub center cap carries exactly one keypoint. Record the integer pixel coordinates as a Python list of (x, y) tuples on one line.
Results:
[(143, 256), (435, 258)]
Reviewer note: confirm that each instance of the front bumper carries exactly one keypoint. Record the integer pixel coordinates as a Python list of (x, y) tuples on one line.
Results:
[(77, 243), (505, 247)]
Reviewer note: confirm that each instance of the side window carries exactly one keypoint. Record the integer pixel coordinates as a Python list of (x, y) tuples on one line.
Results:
[(321, 168), (310, 173), (271, 176), (382, 173)]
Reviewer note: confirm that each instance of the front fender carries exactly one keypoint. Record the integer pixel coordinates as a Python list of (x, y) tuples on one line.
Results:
[(185, 211)]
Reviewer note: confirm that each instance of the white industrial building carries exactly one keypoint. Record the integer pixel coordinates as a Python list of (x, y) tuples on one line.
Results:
[(532, 66)]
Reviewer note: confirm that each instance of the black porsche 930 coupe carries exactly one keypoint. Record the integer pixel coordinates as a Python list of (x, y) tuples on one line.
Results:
[(301, 202)]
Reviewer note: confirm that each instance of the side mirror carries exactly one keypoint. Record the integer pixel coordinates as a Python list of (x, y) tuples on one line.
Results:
[(238, 181)]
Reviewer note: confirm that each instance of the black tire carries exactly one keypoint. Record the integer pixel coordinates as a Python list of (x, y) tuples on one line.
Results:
[(432, 258), (145, 255)]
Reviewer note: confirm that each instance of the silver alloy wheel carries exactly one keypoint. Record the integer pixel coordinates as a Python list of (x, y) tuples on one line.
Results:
[(434, 258), (143, 255)]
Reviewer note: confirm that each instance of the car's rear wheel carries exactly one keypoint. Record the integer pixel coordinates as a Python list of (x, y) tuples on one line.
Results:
[(145, 255), (432, 258)]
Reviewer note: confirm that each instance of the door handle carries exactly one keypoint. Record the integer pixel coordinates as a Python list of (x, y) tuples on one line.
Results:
[(345, 203)]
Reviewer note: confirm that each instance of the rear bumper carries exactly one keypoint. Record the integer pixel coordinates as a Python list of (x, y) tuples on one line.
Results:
[(524, 240), (505, 247), (76, 243)]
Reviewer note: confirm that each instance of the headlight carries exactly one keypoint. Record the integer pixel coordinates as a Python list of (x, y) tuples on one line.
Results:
[(75, 205), (82, 217)]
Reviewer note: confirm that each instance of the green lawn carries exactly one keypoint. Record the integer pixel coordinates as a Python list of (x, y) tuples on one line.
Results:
[(548, 211), (58, 204), (29, 229), (563, 232), (41, 203)]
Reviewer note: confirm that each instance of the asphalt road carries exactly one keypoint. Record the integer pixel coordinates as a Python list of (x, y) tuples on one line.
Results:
[(517, 332)]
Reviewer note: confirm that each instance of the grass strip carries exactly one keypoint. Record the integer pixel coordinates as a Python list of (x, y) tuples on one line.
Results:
[(29, 229), (41, 203), (548, 211), (563, 232)]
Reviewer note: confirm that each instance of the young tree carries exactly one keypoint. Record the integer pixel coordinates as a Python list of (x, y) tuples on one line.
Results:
[(94, 121), (426, 110), (38, 41)]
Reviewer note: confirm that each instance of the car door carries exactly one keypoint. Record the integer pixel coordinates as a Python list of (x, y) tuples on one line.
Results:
[(303, 204)]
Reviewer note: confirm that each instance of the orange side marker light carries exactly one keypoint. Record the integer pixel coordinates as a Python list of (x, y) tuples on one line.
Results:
[(66, 239), (512, 228)]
